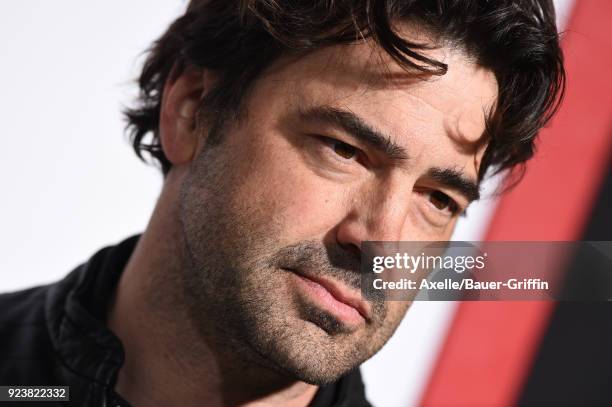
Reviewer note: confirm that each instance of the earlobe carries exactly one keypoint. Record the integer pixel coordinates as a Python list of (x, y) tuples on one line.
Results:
[(178, 116)]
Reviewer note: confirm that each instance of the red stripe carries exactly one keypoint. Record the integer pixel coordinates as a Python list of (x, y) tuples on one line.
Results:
[(490, 346)]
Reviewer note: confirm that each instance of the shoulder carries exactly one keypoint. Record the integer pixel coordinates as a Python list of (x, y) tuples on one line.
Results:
[(25, 345), (22, 307)]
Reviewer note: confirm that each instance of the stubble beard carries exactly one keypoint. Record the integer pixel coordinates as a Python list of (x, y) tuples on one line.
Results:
[(238, 297)]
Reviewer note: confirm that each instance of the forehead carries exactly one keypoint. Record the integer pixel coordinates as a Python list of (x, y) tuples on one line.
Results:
[(415, 110)]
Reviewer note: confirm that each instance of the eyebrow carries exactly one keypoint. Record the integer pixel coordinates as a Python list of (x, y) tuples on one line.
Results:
[(360, 130), (357, 128), (455, 179)]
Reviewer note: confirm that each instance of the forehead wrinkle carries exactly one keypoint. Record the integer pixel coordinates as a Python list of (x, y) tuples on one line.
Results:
[(460, 123), (358, 68), (468, 132)]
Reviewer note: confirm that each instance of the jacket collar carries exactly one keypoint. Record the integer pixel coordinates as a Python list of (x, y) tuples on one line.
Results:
[(76, 314)]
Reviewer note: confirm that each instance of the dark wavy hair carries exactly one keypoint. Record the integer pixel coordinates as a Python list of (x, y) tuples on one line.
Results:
[(237, 39)]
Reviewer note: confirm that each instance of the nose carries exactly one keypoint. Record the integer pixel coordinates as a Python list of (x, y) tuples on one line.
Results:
[(381, 216)]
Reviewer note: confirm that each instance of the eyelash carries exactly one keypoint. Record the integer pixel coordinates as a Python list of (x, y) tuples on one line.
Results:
[(453, 206), (330, 142)]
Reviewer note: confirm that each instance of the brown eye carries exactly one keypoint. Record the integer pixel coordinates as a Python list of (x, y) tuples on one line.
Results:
[(442, 201), (344, 150)]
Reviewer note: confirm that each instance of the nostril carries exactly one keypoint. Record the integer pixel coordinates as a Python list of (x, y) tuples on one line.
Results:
[(353, 249)]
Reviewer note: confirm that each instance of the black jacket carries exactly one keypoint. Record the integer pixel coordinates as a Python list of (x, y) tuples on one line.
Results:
[(55, 335)]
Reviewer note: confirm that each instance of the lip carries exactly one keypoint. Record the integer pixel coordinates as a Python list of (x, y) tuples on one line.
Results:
[(340, 293)]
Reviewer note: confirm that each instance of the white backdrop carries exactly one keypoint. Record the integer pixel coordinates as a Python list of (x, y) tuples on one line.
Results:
[(71, 184)]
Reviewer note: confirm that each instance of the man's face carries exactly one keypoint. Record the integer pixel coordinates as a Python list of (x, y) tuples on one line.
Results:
[(334, 148)]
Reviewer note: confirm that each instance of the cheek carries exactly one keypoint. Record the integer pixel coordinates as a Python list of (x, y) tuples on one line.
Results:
[(277, 187), (396, 310)]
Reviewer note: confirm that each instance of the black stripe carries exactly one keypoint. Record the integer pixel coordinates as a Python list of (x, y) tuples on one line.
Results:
[(573, 366)]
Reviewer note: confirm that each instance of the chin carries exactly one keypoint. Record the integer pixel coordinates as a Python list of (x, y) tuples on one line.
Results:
[(305, 352)]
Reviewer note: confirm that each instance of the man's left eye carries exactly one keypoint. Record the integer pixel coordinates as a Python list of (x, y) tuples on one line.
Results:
[(443, 202), (346, 151)]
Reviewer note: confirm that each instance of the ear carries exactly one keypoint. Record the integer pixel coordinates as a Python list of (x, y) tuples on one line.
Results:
[(178, 116)]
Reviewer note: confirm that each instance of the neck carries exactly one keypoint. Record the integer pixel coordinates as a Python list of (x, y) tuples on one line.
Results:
[(166, 357)]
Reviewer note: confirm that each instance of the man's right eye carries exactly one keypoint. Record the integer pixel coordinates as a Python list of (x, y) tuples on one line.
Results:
[(340, 148)]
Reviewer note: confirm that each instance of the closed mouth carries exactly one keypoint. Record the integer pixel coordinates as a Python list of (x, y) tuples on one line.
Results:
[(340, 293)]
